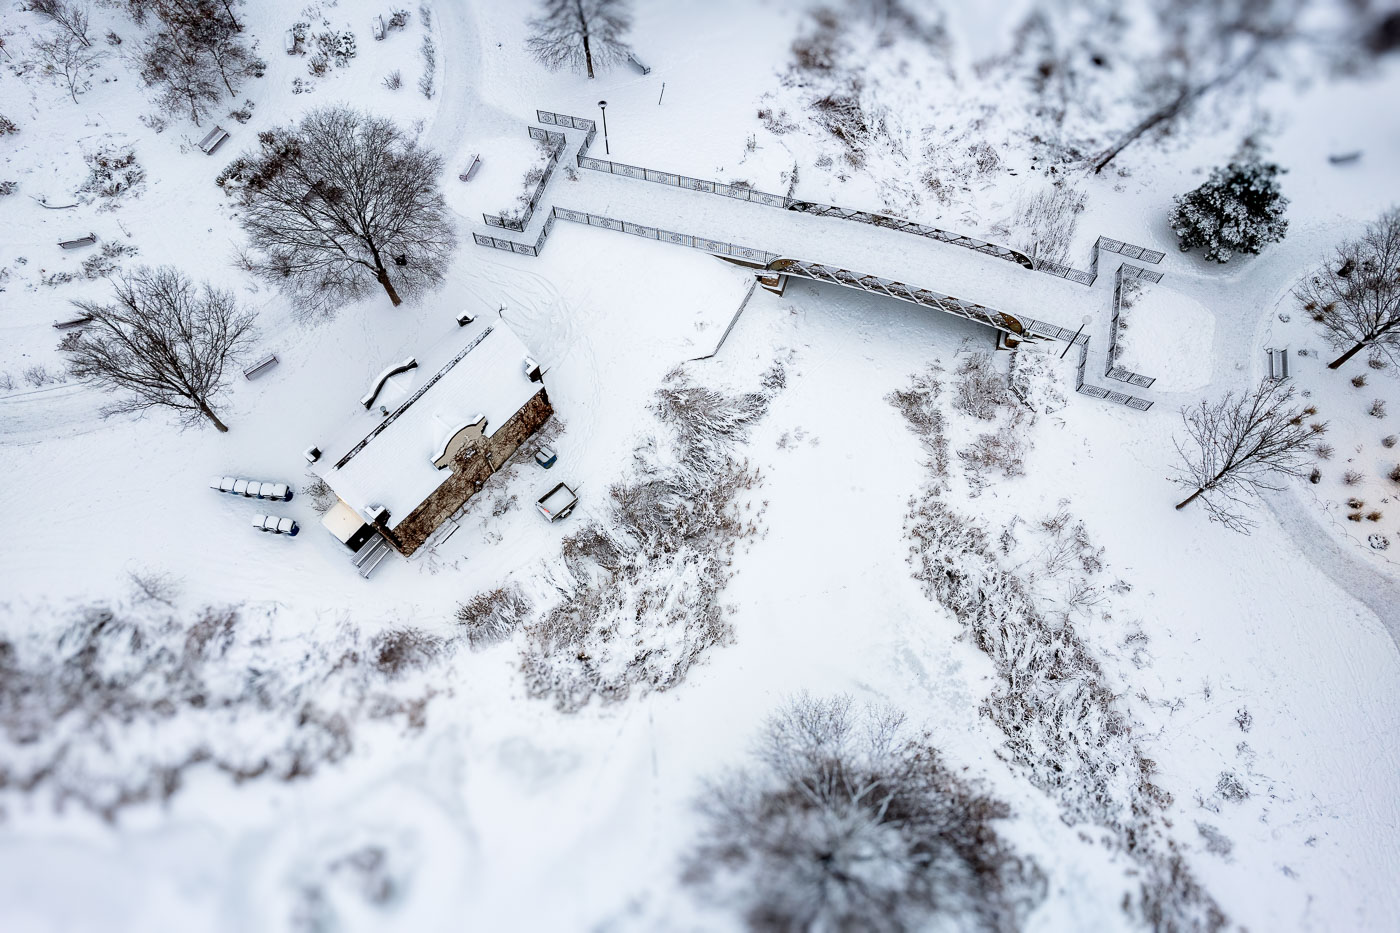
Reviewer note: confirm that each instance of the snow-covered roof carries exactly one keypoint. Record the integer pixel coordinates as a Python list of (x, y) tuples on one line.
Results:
[(379, 460)]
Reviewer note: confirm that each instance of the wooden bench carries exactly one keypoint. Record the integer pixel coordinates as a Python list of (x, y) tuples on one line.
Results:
[(376, 26), (75, 322), (290, 42), (261, 366), (638, 63), (1278, 365), (79, 242), (473, 164), (214, 140)]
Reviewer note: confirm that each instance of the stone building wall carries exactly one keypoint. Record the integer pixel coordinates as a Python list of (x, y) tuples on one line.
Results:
[(470, 470)]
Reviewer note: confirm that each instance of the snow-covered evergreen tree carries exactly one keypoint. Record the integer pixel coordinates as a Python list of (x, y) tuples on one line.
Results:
[(1239, 210)]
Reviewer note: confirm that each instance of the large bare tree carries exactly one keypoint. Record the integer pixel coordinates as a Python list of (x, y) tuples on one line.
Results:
[(1241, 445), (1355, 296), (196, 46), (339, 203), (161, 343), (580, 32), (850, 821)]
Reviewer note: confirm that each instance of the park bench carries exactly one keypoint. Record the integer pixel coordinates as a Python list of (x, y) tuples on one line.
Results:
[(376, 26), (78, 242), (214, 140), (637, 63), (72, 322), (261, 366), (290, 42), (1278, 365), (545, 456), (473, 164)]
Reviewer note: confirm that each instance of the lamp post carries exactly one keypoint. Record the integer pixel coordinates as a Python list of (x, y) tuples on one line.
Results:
[(1082, 324), (603, 105)]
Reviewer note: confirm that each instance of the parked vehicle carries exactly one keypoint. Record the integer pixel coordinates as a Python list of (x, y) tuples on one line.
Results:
[(278, 526), (252, 489)]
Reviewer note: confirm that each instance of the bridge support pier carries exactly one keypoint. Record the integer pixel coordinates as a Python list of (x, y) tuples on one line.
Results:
[(773, 282)]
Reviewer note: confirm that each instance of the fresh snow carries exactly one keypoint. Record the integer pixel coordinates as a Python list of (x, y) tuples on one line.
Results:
[(502, 813)]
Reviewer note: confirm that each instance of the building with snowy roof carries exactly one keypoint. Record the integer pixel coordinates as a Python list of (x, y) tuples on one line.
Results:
[(427, 435)]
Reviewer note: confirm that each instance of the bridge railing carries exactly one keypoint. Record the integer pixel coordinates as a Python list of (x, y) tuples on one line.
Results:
[(556, 143), (887, 221), (1111, 368)]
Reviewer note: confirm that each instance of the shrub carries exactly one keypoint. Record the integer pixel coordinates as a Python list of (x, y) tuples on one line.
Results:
[(1315, 476), (1358, 380), (1373, 516), (1352, 477), (1377, 409), (1323, 451), (401, 650), (1355, 503), (1389, 441), (494, 615), (980, 390), (393, 80)]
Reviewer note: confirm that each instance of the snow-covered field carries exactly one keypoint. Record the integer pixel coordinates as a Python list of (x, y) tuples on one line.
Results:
[(336, 774)]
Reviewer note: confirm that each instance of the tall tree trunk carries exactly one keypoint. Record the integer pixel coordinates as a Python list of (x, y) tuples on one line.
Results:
[(1188, 96), (1189, 499), (583, 28), (382, 275), (209, 413), (1337, 363)]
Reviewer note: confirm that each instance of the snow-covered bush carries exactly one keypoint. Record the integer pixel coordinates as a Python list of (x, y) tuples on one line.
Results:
[(107, 260), (847, 821), (1044, 224), (108, 706), (643, 586), (1238, 210), (1020, 595), (7, 126), (113, 173), (494, 615), (980, 391)]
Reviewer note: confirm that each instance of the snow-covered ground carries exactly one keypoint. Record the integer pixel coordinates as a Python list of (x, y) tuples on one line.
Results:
[(1269, 658)]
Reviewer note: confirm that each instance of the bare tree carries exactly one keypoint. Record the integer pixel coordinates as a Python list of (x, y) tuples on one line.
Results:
[(68, 60), (1238, 446), (73, 19), (163, 343), (848, 823), (1209, 45), (196, 46), (340, 202), (1355, 296), (580, 32), (184, 78)]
